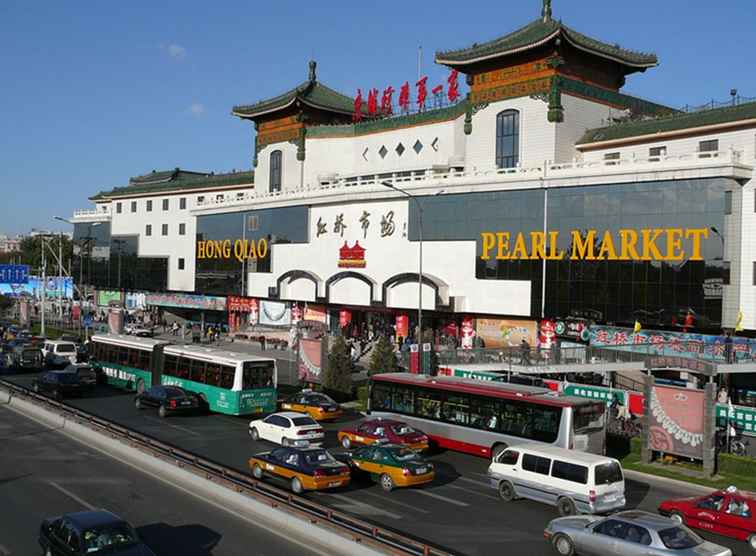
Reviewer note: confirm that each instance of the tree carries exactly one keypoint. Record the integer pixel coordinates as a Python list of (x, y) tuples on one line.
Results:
[(31, 253), (337, 375), (5, 303), (383, 359)]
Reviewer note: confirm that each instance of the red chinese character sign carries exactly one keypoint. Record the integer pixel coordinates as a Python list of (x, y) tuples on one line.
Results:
[(386, 101), (453, 90), (422, 92), (357, 116), (373, 102), (385, 108), (404, 97)]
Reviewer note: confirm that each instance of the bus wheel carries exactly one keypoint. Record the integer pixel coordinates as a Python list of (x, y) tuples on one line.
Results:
[(565, 507), (345, 442), (140, 386), (387, 483), (497, 450), (296, 486), (257, 472), (506, 491)]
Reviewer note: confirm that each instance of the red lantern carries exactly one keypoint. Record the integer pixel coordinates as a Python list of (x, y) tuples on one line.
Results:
[(345, 317)]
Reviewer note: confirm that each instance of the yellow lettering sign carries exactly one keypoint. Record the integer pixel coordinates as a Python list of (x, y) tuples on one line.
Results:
[(695, 235), (583, 248), (487, 239)]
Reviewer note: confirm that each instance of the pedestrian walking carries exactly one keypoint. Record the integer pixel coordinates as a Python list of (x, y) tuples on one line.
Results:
[(525, 353), (728, 348)]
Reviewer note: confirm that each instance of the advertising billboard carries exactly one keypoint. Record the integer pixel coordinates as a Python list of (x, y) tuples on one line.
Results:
[(676, 421), (275, 313), (186, 301), (55, 287), (310, 360), (500, 333), (315, 312), (105, 298)]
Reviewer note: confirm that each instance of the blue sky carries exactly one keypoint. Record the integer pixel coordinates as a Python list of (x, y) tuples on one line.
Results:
[(94, 92)]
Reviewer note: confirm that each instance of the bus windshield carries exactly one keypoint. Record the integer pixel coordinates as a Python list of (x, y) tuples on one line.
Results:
[(258, 374), (588, 427)]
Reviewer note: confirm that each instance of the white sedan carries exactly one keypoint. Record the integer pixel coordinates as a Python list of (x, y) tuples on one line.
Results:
[(287, 428)]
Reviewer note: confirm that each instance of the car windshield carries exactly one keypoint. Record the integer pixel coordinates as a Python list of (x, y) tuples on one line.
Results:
[(402, 430), (102, 539), (66, 348), (679, 538), (608, 473), (320, 456), (404, 454), (303, 421)]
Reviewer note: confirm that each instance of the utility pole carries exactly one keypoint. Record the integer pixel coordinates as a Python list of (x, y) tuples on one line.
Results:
[(60, 277), (44, 288)]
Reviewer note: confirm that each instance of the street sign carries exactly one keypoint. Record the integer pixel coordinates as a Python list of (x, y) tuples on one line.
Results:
[(87, 321), (14, 274)]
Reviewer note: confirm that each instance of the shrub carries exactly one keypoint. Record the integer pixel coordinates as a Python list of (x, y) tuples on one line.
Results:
[(383, 358)]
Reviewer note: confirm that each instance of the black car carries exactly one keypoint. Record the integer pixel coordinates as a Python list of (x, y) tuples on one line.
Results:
[(87, 374), (96, 532), (59, 385), (26, 358), (168, 399)]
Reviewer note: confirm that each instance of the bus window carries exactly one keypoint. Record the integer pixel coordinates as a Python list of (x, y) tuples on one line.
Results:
[(456, 409), (428, 404), (258, 375), (227, 377), (484, 413), (197, 370), (144, 360), (169, 365), (402, 399), (183, 368), (123, 355), (212, 374), (380, 397), (133, 357)]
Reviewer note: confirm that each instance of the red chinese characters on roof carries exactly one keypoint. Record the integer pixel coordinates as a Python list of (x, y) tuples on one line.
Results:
[(453, 91), (357, 116), (352, 257)]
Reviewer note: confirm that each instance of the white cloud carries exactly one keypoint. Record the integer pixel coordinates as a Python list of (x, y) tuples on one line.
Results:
[(175, 51), (197, 109)]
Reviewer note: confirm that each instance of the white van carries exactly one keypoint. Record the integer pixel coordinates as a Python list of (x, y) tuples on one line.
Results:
[(59, 353), (574, 482)]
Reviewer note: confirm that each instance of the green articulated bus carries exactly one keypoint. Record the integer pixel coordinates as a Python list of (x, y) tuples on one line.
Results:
[(229, 382)]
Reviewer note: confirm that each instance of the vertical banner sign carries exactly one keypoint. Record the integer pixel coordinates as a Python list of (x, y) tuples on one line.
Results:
[(115, 321), (414, 363), (426, 358), (24, 312), (345, 317), (676, 421), (310, 360), (402, 326), (468, 333)]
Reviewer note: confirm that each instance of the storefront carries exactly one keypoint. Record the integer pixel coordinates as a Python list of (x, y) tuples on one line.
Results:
[(171, 307)]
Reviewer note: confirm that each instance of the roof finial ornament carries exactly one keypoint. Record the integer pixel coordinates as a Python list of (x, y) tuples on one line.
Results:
[(546, 11), (313, 65)]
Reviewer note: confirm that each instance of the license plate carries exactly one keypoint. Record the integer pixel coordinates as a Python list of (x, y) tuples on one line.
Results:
[(186, 403), (334, 483), (421, 470)]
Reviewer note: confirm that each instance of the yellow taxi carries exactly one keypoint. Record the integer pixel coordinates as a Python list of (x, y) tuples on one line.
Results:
[(391, 465), (301, 468), (315, 404)]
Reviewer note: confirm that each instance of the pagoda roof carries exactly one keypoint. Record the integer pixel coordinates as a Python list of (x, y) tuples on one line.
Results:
[(162, 176), (202, 181), (538, 33), (677, 122), (311, 93)]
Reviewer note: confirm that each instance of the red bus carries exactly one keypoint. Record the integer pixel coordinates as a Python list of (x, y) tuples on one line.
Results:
[(483, 418)]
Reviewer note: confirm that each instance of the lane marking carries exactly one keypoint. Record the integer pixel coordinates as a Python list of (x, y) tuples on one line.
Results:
[(473, 492), (177, 427), (270, 529), (71, 495), (443, 498), (392, 500), (366, 508), (473, 481)]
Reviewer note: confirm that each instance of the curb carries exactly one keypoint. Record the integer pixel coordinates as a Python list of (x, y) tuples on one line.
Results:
[(278, 521), (649, 478)]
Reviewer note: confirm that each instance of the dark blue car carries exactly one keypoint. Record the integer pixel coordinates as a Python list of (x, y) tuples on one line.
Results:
[(97, 532)]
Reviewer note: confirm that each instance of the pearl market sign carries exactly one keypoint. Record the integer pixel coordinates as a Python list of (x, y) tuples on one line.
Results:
[(589, 245), (240, 249)]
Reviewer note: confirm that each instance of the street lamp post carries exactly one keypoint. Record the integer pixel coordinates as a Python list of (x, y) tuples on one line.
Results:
[(420, 259)]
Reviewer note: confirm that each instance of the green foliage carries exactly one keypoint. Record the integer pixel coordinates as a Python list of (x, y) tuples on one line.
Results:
[(31, 252), (383, 359), (337, 375), (730, 464), (5, 302)]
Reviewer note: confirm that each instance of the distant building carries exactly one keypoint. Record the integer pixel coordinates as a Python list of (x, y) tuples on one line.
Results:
[(10, 244)]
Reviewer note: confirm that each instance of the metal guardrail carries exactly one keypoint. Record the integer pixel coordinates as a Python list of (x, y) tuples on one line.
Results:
[(278, 498)]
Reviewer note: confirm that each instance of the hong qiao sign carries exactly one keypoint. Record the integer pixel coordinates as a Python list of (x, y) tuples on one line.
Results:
[(649, 244), (240, 249)]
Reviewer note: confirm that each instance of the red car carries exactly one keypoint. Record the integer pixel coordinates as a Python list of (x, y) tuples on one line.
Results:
[(383, 431), (726, 512)]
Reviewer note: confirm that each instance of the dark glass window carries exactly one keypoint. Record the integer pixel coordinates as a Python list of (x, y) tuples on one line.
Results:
[(536, 464), (200, 199), (181, 263), (166, 203), (608, 473), (657, 152), (612, 158), (570, 472), (182, 229), (133, 206), (754, 273), (148, 230), (182, 203), (507, 139), (275, 171), (164, 229), (119, 208), (708, 146), (149, 205), (728, 202), (509, 457)]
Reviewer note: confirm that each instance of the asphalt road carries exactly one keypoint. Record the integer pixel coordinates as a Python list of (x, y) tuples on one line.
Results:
[(44, 473), (458, 511)]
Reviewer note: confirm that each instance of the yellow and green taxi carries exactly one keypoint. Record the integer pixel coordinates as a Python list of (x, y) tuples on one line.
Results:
[(301, 468), (315, 404), (391, 465)]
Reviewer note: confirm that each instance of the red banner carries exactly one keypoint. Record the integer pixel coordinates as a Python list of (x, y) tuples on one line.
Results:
[(241, 304), (345, 317), (315, 312), (402, 326)]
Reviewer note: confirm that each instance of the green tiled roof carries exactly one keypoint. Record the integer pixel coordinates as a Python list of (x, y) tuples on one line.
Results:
[(540, 32), (209, 181), (311, 92), (676, 122), (160, 176), (387, 124)]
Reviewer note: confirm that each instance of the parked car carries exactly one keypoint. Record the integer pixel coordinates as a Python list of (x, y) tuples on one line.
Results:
[(302, 468), (729, 513), (287, 428), (390, 465), (59, 354), (26, 358), (315, 404), (91, 532), (574, 482), (371, 431), (168, 400), (88, 375), (59, 385), (629, 533)]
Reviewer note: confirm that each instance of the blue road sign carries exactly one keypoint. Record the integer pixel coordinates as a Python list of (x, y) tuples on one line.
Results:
[(87, 321), (14, 274)]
